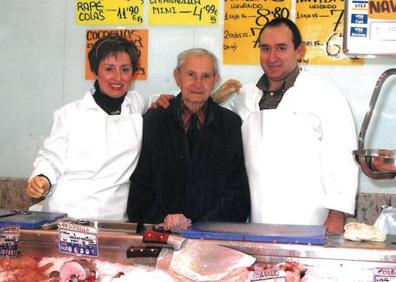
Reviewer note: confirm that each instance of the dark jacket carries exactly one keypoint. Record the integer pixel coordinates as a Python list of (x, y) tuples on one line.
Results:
[(211, 185)]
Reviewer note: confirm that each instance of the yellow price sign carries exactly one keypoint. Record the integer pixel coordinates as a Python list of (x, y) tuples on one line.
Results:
[(183, 12), (322, 30), (382, 9), (137, 36), (107, 12), (243, 20)]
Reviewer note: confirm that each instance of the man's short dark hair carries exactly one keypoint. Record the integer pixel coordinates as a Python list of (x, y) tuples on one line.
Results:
[(296, 35), (112, 44)]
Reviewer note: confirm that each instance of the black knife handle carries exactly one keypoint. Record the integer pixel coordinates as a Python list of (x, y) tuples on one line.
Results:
[(133, 252)]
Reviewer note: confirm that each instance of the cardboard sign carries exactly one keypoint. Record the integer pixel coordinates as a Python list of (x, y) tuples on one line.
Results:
[(184, 12), (138, 36), (243, 21), (382, 9), (109, 12), (322, 29)]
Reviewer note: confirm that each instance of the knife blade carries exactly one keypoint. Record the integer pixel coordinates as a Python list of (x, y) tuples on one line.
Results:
[(6, 213)]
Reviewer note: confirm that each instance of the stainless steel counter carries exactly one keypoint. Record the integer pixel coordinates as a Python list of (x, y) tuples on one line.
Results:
[(112, 243), (337, 260)]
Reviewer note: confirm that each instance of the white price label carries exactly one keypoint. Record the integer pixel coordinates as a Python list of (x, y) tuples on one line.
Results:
[(268, 275), (9, 237), (78, 240), (385, 275)]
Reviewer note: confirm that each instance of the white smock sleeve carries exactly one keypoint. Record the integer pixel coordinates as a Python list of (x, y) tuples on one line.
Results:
[(51, 157), (137, 102), (245, 101), (339, 170)]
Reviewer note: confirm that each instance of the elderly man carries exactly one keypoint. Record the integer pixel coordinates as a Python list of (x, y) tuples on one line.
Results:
[(191, 165)]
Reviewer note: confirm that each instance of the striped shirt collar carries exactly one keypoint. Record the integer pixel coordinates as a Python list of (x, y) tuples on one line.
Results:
[(185, 115)]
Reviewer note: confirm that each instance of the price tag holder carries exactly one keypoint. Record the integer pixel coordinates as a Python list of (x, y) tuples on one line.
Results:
[(385, 274), (9, 238), (268, 275), (78, 239)]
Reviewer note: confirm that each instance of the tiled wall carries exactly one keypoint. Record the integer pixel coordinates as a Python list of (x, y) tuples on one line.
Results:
[(368, 205), (13, 195)]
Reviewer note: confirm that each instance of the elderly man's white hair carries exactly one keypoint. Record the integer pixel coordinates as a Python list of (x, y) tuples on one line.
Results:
[(197, 51)]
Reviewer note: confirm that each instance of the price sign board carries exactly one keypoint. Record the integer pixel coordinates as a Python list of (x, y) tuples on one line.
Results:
[(127, 12), (322, 29), (138, 36), (184, 12), (243, 20)]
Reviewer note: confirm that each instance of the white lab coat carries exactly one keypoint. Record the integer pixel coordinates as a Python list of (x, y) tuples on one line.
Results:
[(89, 157), (299, 156)]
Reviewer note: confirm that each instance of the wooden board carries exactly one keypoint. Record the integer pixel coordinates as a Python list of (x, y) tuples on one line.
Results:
[(296, 234)]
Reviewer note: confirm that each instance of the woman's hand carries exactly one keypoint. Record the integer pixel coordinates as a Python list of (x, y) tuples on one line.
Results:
[(37, 187), (176, 222)]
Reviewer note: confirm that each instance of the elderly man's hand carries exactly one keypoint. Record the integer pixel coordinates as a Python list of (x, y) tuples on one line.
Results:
[(176, 222), (37, 187), (162, 101), (225, 90)]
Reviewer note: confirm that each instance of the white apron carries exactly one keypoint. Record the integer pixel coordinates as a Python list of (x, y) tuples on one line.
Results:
[(287, 145), (96, 154)]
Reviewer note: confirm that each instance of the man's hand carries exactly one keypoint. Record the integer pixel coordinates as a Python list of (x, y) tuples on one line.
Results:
[(176, 222), (225, 90), (162, 101), (37, 187), (335, 222)]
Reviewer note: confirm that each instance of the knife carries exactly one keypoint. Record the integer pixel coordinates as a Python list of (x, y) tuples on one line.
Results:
[(173, 241), (198, 259), (143, 252), (5, 212)]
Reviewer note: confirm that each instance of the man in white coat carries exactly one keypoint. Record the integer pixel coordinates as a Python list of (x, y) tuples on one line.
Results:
[(298, 134)]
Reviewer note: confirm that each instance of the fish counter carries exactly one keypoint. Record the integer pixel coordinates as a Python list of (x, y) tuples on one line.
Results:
[(335, 260)]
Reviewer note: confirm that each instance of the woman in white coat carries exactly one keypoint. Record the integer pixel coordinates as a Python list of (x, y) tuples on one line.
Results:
[(84, 166)]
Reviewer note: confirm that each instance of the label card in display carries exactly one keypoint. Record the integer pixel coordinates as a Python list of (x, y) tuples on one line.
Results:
[(9, 237), (78, 239)]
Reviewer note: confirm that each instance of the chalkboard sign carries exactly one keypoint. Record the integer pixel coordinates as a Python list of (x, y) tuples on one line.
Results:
[(370, 27)]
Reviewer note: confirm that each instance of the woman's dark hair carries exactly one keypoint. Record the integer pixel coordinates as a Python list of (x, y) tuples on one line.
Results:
[(112, 44), (296, 35)]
